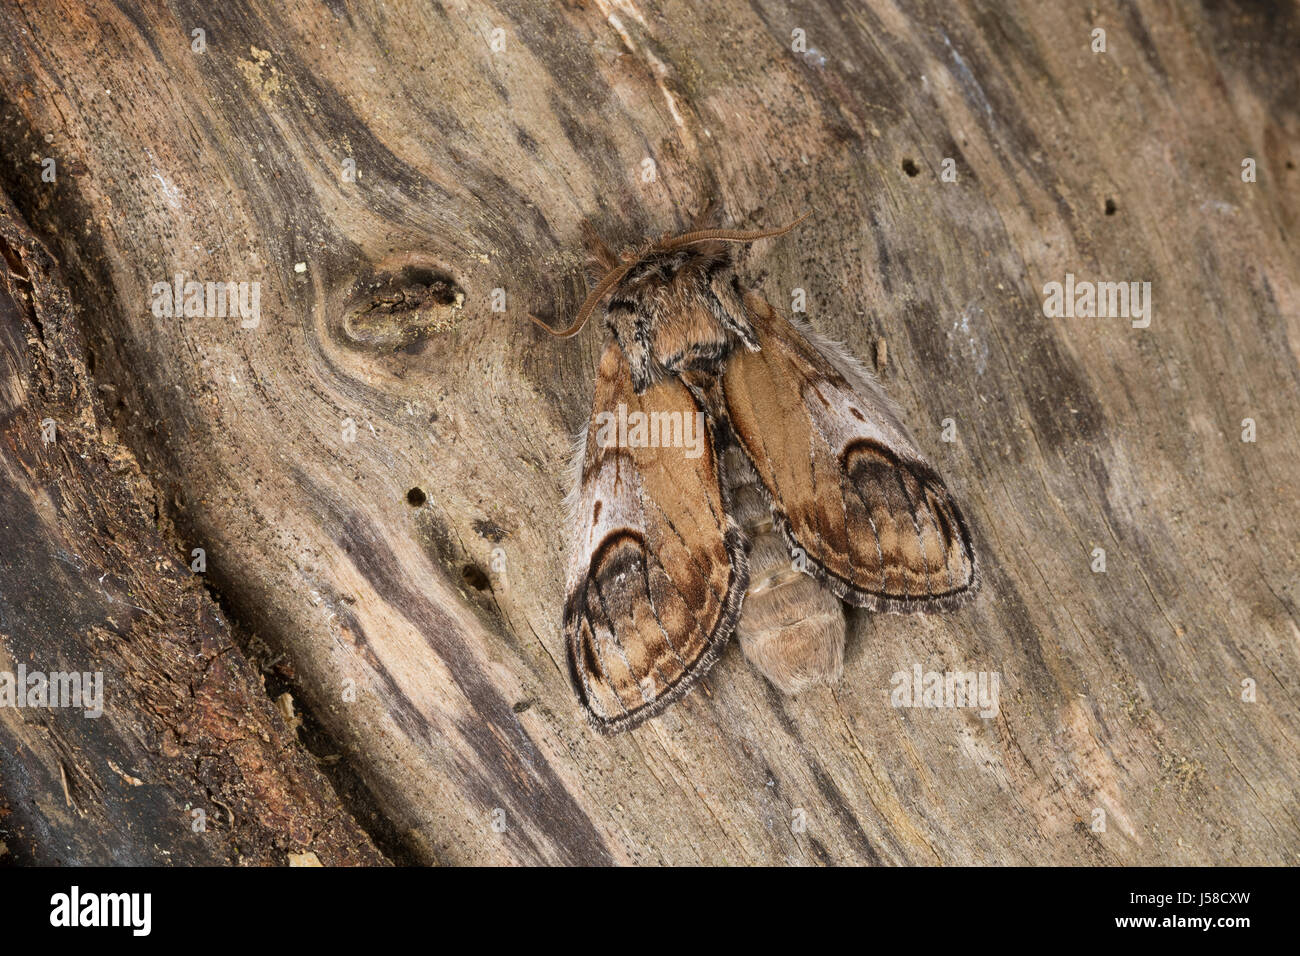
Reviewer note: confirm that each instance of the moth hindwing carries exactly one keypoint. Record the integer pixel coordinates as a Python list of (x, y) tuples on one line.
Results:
[(724, 434)]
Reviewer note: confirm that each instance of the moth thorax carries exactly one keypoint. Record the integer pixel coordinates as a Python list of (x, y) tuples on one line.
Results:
[(791, 628)]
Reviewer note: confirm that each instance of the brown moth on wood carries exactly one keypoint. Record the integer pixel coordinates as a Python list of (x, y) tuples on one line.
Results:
[(740, 473)]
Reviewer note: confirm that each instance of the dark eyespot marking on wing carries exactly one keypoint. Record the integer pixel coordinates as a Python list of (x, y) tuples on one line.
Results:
[(589, 660)]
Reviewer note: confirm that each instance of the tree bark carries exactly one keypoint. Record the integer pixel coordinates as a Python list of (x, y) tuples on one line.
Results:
[(172, 752), (392, 175)]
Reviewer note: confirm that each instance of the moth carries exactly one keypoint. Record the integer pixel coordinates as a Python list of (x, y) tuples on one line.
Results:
[(740, 474)]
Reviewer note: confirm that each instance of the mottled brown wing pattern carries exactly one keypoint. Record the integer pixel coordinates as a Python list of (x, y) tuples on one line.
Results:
[(846, 483), (658, 567)]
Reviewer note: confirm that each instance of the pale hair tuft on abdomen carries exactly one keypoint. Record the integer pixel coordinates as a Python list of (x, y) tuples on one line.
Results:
[(791, 627)]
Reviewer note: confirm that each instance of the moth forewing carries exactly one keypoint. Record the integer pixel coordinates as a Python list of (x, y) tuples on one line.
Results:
[(658, 566), (846, 483)]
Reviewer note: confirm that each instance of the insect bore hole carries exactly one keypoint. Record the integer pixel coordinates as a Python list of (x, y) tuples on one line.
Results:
[(475, 577), (910, 167), (1111, 207), (416, 497)]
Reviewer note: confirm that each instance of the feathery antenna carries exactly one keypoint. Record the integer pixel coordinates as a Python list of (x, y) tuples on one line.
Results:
[(612, 277)]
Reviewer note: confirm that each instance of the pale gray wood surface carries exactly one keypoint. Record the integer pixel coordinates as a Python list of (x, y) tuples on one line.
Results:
[(1121, 691)]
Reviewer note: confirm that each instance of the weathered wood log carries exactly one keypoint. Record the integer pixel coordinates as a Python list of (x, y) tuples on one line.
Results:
[(160, 744), (374, 457)]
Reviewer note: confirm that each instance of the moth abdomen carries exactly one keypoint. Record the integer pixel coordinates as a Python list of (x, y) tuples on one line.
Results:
[(791, 627)]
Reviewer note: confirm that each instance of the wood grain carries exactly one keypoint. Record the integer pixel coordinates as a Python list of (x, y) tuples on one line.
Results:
[(1121, 691), (172, 752)]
